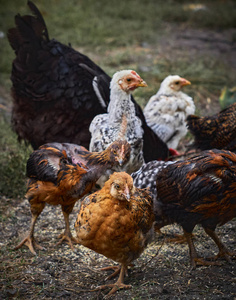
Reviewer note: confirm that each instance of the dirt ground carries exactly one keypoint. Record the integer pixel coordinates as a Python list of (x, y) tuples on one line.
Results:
[(162, 272)]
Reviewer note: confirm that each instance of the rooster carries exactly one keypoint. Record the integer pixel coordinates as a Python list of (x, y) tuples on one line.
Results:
[(199, 190), (57, 91), (217, 131), (166, 111), (117, 222), (120, 120), (62, 174)]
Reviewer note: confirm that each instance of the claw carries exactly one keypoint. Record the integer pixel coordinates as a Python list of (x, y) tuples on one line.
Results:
[(69, 238), (30, 243)]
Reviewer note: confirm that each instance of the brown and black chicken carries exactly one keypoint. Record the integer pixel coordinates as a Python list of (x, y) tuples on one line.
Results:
[(217, 131), (199, 190), (57, 91), (62, 174), (116, 221)]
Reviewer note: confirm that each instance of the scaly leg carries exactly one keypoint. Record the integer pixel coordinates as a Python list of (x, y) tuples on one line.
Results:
[(194, 259), (223, 251), (116, 271), (119, 284), (67, 233), (179, 239), (29, 240)]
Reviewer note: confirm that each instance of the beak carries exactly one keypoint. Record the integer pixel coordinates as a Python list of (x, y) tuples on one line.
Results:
[(126, 193), (142, 83), (121, 162), (184, 82)]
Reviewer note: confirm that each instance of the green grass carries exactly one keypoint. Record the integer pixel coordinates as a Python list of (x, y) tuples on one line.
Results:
[(119, 35), (103, 24), (12, 162)]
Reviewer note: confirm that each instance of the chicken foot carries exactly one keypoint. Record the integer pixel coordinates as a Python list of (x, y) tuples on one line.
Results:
[(29, 240), (67, 236), (223, 251), (119, 284), (194, 259)]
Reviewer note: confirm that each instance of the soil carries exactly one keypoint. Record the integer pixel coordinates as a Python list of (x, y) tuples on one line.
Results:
[(163, 270)]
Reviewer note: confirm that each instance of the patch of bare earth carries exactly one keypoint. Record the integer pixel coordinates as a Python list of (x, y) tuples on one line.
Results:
[(162, 271)]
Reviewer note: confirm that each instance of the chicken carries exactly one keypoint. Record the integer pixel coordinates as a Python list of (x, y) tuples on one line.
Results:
[(57, 91), (116, 221), (166, 111), (199, 190), (146, 176), (120, 121), (217, 131), (62, 174)]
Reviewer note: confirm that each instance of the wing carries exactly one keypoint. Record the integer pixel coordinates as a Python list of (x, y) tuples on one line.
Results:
[(44, 164), (198, 180)]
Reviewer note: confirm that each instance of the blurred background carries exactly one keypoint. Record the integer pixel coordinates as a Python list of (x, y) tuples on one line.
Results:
[(194, 39)]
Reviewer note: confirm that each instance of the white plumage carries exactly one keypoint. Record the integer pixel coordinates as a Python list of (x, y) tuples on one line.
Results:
[(120, 121), (166, 111)]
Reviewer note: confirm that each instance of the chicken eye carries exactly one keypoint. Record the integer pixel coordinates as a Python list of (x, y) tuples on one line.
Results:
[(177, 82), (128, 79), (115, 152), (117, 186)]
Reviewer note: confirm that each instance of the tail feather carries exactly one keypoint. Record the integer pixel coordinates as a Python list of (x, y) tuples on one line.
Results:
[(28, 29)]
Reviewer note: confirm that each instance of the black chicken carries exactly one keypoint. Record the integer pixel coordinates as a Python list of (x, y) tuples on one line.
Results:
[(57, 91)]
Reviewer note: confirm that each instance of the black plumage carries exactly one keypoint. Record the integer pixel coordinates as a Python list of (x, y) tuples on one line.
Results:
[(57, 91)]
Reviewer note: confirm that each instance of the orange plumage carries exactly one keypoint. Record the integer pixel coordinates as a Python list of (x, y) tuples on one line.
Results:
[(116, 222), (62, 174)]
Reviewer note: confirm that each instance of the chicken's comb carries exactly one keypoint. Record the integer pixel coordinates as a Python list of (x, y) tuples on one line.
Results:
[(136, 74)]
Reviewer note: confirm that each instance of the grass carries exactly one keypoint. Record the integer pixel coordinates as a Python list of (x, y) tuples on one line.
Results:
[(118, 35), (13, 162)]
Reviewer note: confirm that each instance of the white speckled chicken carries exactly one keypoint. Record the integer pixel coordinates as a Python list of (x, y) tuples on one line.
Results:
[(166, 111), (120, 120), (117, 222), (146, 176)]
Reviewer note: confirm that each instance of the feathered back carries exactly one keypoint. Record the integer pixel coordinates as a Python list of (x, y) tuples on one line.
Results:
[(217, 131)]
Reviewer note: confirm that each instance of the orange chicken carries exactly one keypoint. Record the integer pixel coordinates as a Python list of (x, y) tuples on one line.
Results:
[(117, 222), (62, 174)]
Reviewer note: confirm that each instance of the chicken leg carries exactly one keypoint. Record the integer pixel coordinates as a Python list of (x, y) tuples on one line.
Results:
[(67, 233), (119, 284), (194, 259), (29, 240), (223, 251)]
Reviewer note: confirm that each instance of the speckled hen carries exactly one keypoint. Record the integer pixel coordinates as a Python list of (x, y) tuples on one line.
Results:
[(166, 111), (120, 121)]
